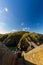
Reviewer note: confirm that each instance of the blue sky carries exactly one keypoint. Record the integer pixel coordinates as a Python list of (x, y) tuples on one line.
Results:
[(25, 15)]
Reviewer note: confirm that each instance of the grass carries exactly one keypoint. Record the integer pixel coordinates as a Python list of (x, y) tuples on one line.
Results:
[(18, 39)]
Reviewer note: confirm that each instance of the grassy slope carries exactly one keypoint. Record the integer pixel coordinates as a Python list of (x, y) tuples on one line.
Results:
[(18, 39), (11, 39)]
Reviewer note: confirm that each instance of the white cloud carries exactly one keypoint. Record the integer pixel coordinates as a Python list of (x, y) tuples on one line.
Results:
[(2, 10), (22, 23), (13, 30), (26, 29), (6, 9), (2, 23), (3, 29)]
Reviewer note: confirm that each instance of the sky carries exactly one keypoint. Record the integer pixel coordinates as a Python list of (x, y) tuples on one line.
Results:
[(21, 15)]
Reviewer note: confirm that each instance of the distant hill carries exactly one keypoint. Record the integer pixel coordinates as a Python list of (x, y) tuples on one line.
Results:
[(22, 40)]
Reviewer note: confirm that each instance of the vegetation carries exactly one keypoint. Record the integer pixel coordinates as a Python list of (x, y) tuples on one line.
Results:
[(21, 40)]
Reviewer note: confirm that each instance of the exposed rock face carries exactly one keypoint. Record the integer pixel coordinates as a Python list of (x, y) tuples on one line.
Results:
[(10, 58), (6, 56), (35, 56)]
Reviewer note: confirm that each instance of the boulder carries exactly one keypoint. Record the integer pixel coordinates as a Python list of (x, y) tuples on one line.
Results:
[(34, 56), (6, 56)]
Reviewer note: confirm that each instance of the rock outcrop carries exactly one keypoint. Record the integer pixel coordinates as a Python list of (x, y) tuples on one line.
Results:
[(35, 56), (6, 56)]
